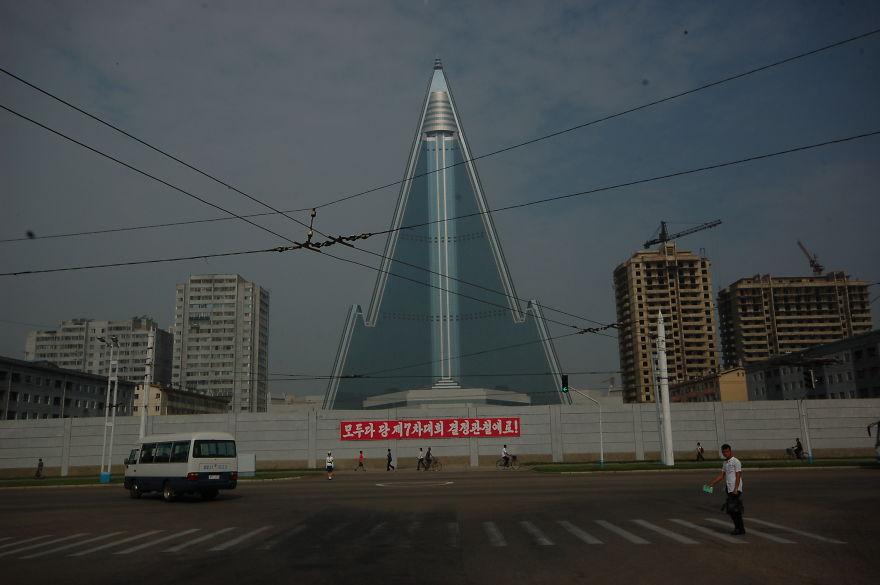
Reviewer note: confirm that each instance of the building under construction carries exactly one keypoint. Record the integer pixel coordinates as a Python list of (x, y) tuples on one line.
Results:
[(678, 283), (765, 316)]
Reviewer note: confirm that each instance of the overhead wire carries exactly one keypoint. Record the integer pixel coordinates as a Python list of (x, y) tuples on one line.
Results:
[(392, 184)]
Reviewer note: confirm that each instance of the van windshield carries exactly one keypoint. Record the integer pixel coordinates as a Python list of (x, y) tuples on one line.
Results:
[(203, 449)]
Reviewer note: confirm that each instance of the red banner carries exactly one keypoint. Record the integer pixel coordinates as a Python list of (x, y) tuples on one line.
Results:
[(432, 428)]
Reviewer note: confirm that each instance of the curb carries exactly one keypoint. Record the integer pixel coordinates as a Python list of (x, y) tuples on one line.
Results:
[(710, 469)]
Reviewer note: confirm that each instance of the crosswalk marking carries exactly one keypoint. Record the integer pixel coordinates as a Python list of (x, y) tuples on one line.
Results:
[(198, 540), (296, 530), (411, 532), (240, 539), (117, 543), (2, 538), (73, 545), (667, 533), (44, 543), (376, 529), (25, 541), (621, 532), (454, 534), (138, 547), (796, 531), (495, 536), (583, 535), (335, 530), (708, 531), (539, 537), (772, 537)]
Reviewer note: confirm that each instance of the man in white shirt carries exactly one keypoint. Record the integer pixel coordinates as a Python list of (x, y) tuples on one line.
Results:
[(420, 460), (506, 456), (731, 474)]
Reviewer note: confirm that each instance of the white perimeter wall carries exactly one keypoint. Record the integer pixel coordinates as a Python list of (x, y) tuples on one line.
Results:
[(550, 433)]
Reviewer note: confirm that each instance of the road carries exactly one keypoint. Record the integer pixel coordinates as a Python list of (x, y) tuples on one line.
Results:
[(467, 527)]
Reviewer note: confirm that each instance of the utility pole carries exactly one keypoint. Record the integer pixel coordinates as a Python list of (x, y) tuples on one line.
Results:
[(112, 343), (148, 381), (668, 455)]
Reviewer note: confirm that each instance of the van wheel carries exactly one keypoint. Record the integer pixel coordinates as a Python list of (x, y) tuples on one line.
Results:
[(209, 494), (134, 491), (168, 492)]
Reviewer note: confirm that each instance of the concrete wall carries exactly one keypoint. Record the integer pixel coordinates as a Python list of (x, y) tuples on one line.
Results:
[(549, 433)]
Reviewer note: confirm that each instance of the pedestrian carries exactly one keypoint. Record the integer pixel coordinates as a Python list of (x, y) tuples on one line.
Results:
[(420, 462), (700, 452), (505, 456), (39, 473), (329, 465), (731, 474), (389, 467), (428, 459), (361, 462)]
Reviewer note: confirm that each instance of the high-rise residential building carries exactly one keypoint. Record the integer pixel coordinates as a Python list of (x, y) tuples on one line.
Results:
[(765, 316), (463, 336), (678, 283), (75, 345), (221, 339)]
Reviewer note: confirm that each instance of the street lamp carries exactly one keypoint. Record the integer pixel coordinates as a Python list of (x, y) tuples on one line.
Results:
[(112, 377), (601, 435)]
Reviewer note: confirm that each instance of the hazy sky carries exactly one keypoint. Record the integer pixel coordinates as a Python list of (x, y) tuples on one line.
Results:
[(299, 103)]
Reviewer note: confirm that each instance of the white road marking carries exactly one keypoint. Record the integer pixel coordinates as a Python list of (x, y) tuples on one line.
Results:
[(25, 541), (2, 538), (44, 543), (72, 545), (708, 531), (415, 483), (796, 531), (667, 533), (188, 543), (539, 537), (117, 543), (128, 551), (621, 532), (411, 532), (495, 536), (772, 537), (454, 534), (293, 532), (240, 539), (583, 535)]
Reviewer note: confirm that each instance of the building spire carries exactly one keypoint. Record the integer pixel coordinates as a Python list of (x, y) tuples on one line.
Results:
[(438, 64)]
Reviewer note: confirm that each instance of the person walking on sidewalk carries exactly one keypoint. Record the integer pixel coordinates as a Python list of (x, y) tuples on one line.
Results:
[(39, 473), (700, 452), (389, 466), (361, 462), (329, 465), (420, 462), (731, 474)]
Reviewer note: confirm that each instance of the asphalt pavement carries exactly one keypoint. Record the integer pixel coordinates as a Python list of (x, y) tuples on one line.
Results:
[(803, 526)]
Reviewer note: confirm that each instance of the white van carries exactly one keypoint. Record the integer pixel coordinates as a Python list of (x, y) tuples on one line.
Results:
[(182, 464)]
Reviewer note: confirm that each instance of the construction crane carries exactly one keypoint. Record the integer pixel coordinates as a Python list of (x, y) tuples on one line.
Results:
[(665, 236), (818, 269)]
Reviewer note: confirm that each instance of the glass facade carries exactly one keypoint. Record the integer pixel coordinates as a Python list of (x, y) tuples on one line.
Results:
[(446, 317)]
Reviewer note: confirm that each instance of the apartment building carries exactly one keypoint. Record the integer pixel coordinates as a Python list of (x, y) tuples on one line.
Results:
[(678, 283), (75, 345), (33, 390), (849, 368), (221, 339), (765, 316), (162, 400)]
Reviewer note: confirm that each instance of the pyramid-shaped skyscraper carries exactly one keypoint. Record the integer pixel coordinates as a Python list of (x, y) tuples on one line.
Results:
[(444, 320)]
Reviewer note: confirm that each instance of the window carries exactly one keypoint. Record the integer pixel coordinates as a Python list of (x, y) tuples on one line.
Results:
[(162, 453), (147, 452), (180, 452), (214, 449)]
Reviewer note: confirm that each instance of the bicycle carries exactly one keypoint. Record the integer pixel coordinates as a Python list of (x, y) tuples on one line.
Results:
[(435, 465), (513, 463)]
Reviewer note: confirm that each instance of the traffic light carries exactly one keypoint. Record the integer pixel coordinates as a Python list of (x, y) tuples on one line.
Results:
[(565, 383), (809, 379)]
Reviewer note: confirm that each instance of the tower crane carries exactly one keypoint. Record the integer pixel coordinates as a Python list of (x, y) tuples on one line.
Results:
[(665, 236), (818, 269)]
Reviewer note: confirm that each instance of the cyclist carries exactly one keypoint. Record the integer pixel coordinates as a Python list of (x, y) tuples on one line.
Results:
[(798, 449), (428, 459), (506, 456)]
